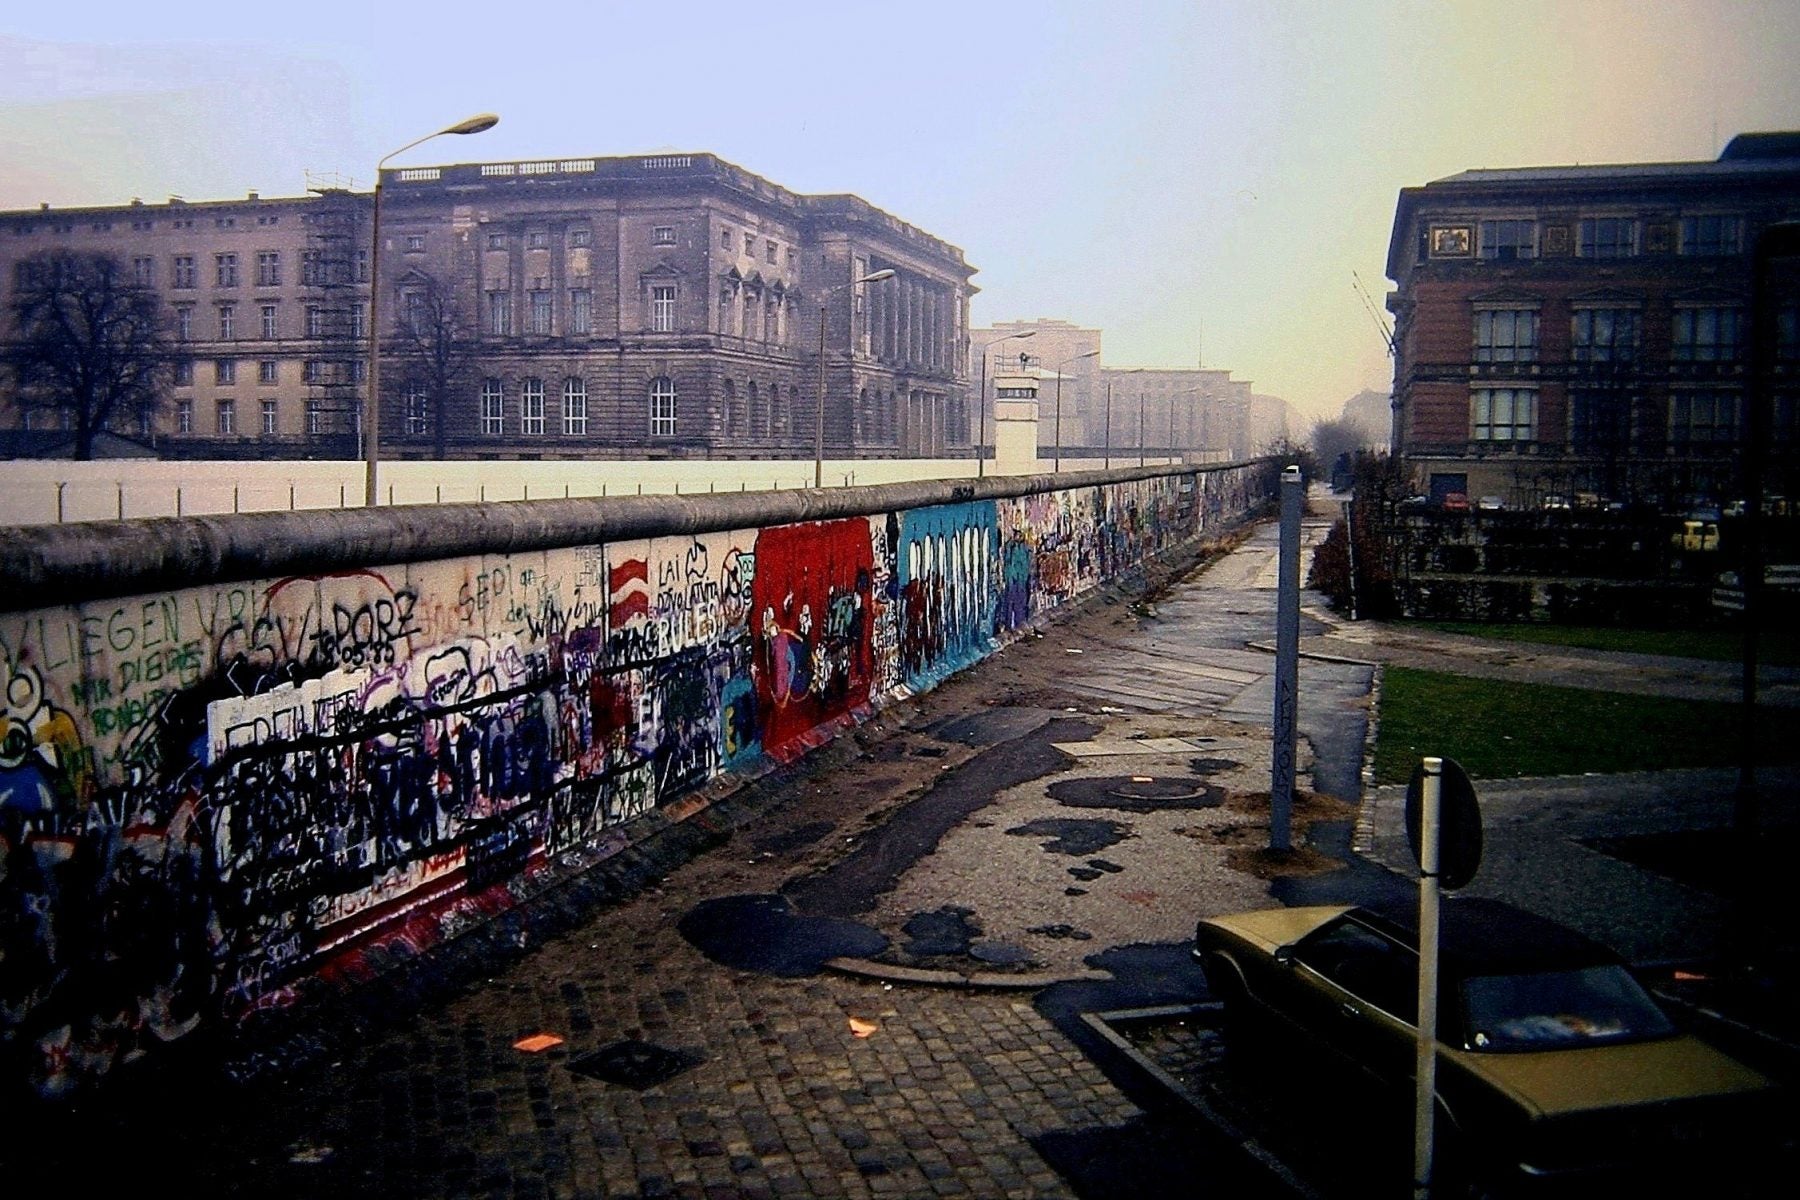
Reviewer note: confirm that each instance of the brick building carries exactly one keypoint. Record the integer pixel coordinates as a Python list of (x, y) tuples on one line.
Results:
[(653, 307), (1562, 330)]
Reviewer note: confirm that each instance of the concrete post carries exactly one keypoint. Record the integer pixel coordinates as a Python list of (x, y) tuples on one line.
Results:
[(1287, 663)]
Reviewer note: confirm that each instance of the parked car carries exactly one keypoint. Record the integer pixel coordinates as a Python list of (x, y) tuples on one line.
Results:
[(1415, 502), (1554, 1063), (1456, 502), (1556, 504), (1491, 504)]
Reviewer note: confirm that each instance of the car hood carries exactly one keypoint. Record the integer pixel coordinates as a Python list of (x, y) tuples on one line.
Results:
[(1556, 1082), (1270, 928)]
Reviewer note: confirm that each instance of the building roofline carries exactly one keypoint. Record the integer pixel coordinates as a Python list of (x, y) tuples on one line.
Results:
[(49, 211), (1764, 158), (650, 169)]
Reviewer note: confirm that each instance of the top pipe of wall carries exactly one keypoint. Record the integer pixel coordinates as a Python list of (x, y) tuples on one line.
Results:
[(67, 564)]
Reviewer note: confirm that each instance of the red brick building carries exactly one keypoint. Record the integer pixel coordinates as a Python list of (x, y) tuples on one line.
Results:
[(1587, 329)]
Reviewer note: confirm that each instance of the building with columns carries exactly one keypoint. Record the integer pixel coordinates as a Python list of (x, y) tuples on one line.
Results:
[(646, 307)]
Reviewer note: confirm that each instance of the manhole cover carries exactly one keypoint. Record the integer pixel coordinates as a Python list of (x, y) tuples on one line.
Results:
[(1136, 793), (635, 1064), (1162, 790)]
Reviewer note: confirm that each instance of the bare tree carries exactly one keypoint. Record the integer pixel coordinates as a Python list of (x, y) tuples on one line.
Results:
[(1335, 443), (88, 343), (434, 345)]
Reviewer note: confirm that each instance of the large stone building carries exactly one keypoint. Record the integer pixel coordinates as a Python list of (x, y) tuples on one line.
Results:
[(1562, 330), (1201, 413), (665, 306)]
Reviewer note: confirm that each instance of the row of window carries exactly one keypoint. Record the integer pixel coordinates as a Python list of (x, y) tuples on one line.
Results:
[(1508, 239), (770, 247), (140, 226), (1698, 333), (320, 322), (268, 371), (660, 397), (225, 417), (535, 239), (184, 270), (1600, 419), (766, 319)]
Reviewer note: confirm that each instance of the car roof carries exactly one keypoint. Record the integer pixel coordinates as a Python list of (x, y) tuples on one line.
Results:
[(1478, 936)]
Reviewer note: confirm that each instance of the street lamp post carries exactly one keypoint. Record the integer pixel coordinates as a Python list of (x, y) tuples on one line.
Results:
[(1140, 426), (372, 400), (1056, 465), (1109, 425), (819, 413), (981, 439)]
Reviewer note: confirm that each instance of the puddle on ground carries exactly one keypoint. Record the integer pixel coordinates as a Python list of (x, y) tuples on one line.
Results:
[(763, 933), (1073, 836), (793, 839), (1000, 954), (1212, 766), (948, 930)]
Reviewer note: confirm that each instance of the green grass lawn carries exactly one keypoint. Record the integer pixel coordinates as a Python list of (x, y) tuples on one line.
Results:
[(1776, 647), (1499, 729)]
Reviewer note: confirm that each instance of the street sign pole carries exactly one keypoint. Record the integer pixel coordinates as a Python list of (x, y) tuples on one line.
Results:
[(1424, 1111), (1287, 664)]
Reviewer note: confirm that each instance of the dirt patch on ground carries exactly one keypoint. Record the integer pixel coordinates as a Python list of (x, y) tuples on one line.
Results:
[(1247, 842)]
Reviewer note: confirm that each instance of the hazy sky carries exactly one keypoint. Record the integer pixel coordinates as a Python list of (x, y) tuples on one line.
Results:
[(1197, 179)]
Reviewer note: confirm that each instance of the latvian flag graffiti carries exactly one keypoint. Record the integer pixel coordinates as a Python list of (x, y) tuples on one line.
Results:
[(628, 597)]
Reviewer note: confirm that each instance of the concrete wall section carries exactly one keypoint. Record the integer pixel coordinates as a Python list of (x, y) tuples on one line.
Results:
[(245, 751)]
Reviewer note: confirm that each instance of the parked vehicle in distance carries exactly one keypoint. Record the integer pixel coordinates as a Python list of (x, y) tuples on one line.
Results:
[(1555, 1066), (1556, 504), (1456, 502), (1412, 502), (1491, 504)]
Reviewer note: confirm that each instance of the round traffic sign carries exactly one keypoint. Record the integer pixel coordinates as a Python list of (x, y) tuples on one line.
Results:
[(1459, 823)]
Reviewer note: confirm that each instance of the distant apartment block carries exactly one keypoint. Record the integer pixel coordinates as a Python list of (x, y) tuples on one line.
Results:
[(1199, 412), (647, 307), (1587, 328)]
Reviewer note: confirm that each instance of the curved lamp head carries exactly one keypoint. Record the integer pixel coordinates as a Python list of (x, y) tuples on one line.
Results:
[(479, 123), (878, 276)]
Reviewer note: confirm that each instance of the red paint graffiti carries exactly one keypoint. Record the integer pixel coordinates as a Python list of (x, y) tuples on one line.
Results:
[(811, 616)]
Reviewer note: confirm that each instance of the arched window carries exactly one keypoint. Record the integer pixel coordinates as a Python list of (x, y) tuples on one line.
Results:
[(778, 412), (759, 419), (662, 407), (733, 419)]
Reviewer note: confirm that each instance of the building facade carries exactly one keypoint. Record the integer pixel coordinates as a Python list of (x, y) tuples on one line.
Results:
[(1570, 330), (1201, 413), (652, 307), (266, 303)]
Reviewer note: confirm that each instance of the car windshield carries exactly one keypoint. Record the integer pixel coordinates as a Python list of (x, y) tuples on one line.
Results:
[(1559, 1009)]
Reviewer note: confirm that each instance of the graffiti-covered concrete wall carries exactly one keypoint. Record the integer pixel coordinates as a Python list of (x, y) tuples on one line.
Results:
[(236, 753)]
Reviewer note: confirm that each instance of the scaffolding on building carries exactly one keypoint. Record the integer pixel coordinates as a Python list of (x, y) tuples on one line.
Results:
[(334, 277)]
